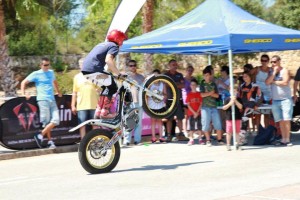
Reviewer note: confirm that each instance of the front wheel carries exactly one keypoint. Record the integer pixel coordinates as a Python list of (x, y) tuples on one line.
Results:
[(160, 97), (93, 155)]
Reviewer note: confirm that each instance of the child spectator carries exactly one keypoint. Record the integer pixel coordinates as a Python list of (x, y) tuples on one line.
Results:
[(159, 87), (237, 102), (209, 111), (194, 101), (250, 94)]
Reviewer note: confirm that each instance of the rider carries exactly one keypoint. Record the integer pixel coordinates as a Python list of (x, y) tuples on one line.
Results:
[(103, 54)]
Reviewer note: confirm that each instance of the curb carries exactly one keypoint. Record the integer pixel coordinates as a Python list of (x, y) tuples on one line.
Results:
[(37, 152), (7, 154)]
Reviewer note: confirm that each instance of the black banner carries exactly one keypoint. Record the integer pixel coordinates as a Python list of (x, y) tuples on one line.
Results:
[(19, 121)]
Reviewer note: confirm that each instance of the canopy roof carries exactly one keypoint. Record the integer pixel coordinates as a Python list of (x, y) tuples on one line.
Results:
[(214, 27)]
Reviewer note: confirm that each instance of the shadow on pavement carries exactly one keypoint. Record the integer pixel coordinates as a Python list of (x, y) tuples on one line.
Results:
[(160, 167)]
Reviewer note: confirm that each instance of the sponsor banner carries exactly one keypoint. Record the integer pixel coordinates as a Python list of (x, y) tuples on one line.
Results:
[(20, 121), (146, 124)]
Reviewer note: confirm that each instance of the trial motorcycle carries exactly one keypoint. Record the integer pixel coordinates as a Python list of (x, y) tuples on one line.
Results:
[(99, 150)]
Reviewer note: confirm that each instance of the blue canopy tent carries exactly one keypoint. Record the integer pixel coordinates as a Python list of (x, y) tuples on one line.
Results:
[(216, 27)]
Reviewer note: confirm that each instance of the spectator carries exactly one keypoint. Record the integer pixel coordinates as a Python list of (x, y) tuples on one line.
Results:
[(260, 75), (248, 68), (187, 82), (194, 101), (179, 114), (186, 90), (133, 74), (209, 112), (84, 99), (212, 71), (224, 81), (45, 83), (296, 85), (250, 94), (282, 103), (223, 88), (159, 107), (238, 106)]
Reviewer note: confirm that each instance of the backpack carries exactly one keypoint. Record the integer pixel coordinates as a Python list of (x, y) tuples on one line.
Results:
[(265, 135)]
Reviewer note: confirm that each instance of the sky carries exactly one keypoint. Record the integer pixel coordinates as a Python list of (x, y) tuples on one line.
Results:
[(269, 2)]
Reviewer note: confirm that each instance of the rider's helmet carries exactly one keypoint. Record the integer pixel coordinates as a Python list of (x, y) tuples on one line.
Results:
[(116, 36)]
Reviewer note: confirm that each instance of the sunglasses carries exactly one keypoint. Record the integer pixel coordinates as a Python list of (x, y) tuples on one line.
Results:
[(132, 65), (46, 65), (273, 61), (264, 60)]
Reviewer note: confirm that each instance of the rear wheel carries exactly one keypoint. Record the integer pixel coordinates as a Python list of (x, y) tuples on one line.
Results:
[(160, 97), (93, 157)]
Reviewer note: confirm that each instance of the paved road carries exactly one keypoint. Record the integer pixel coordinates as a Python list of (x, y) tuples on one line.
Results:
[(160, 171)]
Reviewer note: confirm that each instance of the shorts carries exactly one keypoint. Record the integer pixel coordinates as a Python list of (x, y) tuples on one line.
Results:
[(229, 127), (48, 112), (108, 84), (282, 109), (208, 115), (179, 113), (84, 115), (194, 124)]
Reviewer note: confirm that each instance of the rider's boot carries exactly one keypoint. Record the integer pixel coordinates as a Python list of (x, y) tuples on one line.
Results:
[(106, 107)]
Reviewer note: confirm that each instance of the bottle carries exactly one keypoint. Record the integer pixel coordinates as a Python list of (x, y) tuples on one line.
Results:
[(257, 98), (223, 98)]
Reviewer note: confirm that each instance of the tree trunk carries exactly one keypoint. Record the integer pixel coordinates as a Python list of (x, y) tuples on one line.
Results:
[(148, 11), (7, 81)]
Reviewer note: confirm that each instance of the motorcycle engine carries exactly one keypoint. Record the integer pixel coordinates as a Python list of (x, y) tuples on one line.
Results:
[(131, 119)]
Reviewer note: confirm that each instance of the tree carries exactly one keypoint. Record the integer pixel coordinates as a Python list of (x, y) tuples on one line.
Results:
[(8, 82), (286, 13), (148, 11)]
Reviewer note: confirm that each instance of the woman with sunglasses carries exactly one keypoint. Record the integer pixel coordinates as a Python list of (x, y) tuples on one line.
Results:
[(260, 75)]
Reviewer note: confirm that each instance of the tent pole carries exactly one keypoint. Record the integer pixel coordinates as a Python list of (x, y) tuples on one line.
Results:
[(232, 93), (209, 59)]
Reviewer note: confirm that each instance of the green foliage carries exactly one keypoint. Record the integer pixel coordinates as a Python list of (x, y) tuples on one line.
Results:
[(36, 42), (286, 13), (65, 81), (255, 7), (58, 65)]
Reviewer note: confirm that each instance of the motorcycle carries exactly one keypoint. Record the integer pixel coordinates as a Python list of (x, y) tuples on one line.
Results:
[(99, 150)]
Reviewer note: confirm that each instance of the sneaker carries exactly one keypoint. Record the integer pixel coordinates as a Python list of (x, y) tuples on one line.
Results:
[(174, 139), (38, 139), (190, 143), (220, 142), (289, 144), (162, 140), (201, 142), (228, 147), (125, 145), (169, 139), (208, 143), (138, 143), (51, 145), (181, 134)]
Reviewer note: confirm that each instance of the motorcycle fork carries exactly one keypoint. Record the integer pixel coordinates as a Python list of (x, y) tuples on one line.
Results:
[(114, 139)]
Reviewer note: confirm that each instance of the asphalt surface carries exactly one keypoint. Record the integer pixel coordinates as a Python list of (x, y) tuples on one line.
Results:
[(255, 173)]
